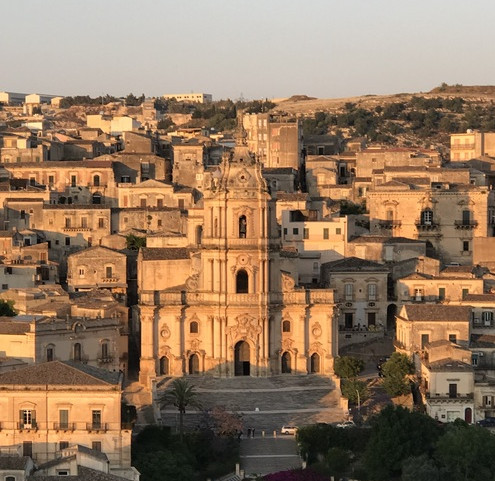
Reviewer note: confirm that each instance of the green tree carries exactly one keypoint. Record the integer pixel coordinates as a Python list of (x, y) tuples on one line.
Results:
[(347, 366), (354, 390), (7, 308), (134, 243), (395, 372), (338, 461), (420, 468), (182, 395), (396, 435), (462, 453)]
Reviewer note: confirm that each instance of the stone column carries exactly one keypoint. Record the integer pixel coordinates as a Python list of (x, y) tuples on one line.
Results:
[(147, 362)]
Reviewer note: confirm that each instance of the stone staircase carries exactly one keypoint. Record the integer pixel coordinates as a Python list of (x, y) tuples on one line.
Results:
[(266, 403)]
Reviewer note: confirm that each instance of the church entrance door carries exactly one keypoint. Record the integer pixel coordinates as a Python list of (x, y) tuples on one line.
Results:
[(242, 359)]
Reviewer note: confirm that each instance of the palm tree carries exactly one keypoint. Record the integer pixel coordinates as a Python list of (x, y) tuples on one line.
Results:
[(181, 395)]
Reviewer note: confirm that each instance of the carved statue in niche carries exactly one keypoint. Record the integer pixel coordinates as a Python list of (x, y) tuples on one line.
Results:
[(247, 327), (288, 282)]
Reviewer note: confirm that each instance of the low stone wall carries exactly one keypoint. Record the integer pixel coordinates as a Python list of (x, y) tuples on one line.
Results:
[(348, 338)]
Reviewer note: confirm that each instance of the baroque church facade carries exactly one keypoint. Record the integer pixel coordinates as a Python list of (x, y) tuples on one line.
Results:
[(226, 301)]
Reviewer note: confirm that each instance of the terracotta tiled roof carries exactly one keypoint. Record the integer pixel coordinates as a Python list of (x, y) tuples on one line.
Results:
[(354, 264), (13, 327), (60, 373), (437, 312), (482, 341), (84, 474), (164, 253), (14, 462)]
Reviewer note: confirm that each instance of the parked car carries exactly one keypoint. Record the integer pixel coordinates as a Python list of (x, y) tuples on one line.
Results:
[(487, 423), (346, 424), (289, 430)]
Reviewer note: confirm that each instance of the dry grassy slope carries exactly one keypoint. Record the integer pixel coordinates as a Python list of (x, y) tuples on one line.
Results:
[(302, 105)]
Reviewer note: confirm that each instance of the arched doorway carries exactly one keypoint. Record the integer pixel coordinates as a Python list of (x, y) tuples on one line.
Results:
[(468, 415), (164, 366), (286, 363), (242, 365), (242, 282), (315, 363), (194, 364), (391, 313)]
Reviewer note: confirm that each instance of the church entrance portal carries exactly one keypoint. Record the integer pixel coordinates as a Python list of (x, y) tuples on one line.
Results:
[(242, 362)]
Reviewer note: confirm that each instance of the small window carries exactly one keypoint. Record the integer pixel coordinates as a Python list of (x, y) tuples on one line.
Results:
[(453, 338), (73, 181), (63, 445), (338, 231), (295, 231), (285, 230), (108, 271), (84, 222), (51, 180), (67, 241), (159, 203), (96, 446), (286, 326), (194, 327), (325, 233), (101, 222), (63, 472), (441, 293), (305, 233), (465, 292), (425, 339), (67, 222), (142, 203), (348, 290), (465, 246), (159, 223), (96, 180), (371, 292)]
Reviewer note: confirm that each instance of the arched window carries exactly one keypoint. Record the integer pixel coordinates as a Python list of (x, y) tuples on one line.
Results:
[(77, 351), (96, 180), (194, 327), (390, 214), (286, 326), (427, 217), (96, 199), (242, 282), (242, 227)]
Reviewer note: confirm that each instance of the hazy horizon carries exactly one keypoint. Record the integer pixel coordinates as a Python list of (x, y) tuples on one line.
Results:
[(252, 49)]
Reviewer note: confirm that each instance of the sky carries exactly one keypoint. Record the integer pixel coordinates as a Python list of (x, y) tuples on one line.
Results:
[(247, 49)]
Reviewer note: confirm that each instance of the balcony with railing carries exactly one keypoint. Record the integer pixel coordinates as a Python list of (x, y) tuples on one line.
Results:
[(64, 426), (465, 224), (463, 146), (105, 359), (449, 397), (389, 224), (32, 426), (91, 427), (427, 227)]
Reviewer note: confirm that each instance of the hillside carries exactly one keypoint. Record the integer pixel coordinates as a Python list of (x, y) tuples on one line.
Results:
[(411, 119)]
